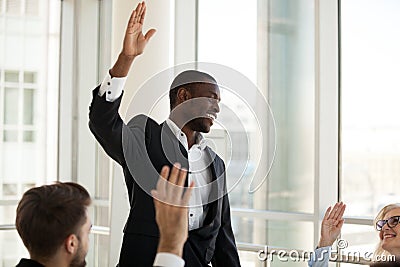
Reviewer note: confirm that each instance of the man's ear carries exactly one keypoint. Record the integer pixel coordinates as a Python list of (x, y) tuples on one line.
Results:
[(183, 94), (71, 244)]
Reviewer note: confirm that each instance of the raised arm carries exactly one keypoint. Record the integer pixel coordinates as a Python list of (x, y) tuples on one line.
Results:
[(134, 42), (330, 229), (104, 119)]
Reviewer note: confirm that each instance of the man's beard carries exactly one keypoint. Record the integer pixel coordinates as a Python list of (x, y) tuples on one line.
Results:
[(199, 125), (79, 259)]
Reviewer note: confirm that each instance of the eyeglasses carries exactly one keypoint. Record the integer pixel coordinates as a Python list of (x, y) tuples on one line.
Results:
[(391, 222)]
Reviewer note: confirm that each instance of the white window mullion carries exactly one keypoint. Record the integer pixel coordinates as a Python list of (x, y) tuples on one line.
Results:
[(327, 103), (1, 123)]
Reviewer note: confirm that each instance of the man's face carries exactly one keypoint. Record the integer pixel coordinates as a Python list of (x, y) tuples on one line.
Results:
[(202, 107), (83, 247)]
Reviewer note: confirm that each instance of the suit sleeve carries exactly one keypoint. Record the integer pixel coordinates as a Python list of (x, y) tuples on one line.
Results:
[(226, 253), (106, 125)]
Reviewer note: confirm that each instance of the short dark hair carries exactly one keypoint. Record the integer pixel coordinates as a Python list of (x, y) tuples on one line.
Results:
[(48, 214), (395, 263), (188, 78)]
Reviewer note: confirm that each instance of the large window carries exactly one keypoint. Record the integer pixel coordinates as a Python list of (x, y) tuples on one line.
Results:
[(29, 41), (19, 106), (44, 46), (370, 136), (271, 43)]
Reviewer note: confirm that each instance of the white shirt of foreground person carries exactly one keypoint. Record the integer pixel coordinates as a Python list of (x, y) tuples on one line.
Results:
[(113, 87), (168, 260), (198, 159)]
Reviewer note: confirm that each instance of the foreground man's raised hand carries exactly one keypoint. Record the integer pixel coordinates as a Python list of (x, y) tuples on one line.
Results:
[(171, 201)]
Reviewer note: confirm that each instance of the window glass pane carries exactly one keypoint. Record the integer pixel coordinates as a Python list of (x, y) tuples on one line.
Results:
[(11, 76), (240, 124), (213, 48), (250, 259), (29, 98), (370, 136), (32, 7), (10, 105), (101, 217), (361, 239), (10, 136), (290, 89), (13, 6), (7, 214), (10, 190), (291, 86), (102, 243), (277, 235), (284, 234), (12, 249), (29, 136), (289, 234), (29, 77)]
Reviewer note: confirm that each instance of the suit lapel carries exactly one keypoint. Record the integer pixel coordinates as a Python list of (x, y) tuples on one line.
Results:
[(212, 207), (173, 150)]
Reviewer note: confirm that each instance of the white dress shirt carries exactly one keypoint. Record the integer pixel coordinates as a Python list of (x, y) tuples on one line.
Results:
[(113, 88), (199, 172)]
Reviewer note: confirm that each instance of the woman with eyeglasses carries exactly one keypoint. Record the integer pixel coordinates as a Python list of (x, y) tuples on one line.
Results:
[(386, 222)]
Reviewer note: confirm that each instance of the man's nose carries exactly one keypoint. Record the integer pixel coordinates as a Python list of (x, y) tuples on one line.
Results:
[(216, 107)]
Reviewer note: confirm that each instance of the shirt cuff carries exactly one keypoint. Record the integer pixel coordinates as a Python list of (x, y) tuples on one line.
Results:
[(320, 257), (168, 260), (112, 87)]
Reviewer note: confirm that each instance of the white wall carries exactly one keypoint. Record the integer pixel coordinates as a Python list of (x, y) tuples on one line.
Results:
[(157, 56)]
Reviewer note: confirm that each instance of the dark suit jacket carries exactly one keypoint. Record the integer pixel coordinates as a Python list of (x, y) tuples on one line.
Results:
[(28, 263), (142, 148)]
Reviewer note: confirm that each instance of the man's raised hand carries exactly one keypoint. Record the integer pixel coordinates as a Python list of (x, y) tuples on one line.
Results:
[(134, 40)]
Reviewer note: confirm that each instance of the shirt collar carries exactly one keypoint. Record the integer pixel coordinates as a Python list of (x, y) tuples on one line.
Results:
[(200, 140)]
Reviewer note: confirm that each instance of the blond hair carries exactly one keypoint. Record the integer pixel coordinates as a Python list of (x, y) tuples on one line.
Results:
[(382, 213)]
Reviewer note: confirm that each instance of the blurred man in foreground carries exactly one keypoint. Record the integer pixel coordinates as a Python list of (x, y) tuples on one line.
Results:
[(53, 222)]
